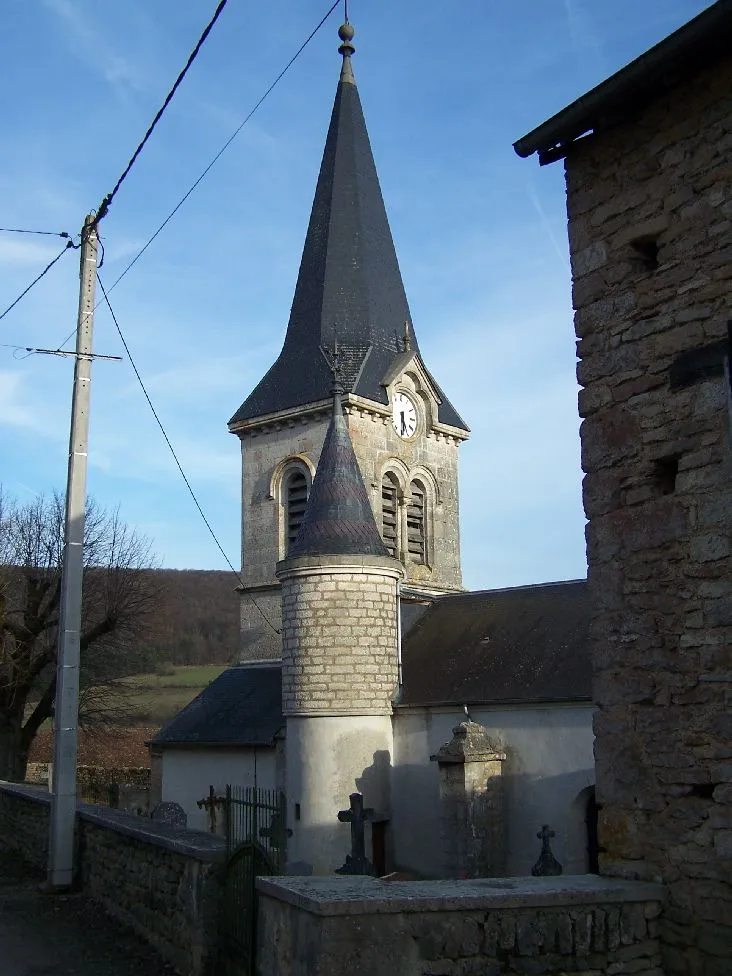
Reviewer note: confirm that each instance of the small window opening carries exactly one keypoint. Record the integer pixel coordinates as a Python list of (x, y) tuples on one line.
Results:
[(665, 472), (389, 513), (646, 249), (703, 790), (297, 499), (415, 525)]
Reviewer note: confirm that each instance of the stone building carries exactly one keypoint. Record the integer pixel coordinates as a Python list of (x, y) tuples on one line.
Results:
[(649, 201), (360, 651)]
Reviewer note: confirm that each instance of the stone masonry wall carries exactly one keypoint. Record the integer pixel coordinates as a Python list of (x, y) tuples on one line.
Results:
[(377, 445), (339, 637), (164, 884), (432, 457), (453, 929), (650, 227)]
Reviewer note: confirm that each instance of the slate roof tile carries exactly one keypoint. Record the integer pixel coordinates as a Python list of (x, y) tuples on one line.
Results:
[(349, 285), (528, 643), (338, 519), (243, 706)]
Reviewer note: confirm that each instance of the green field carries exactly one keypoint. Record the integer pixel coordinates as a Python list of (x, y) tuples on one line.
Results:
[(153, 699)]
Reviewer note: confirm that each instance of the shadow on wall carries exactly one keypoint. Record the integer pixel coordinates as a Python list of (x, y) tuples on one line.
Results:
[(565, 802), (375, 781)]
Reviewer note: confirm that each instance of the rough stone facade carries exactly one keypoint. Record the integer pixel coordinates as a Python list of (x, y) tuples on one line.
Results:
[(339, 635), (316, 927), (164, 884), (650, 226)]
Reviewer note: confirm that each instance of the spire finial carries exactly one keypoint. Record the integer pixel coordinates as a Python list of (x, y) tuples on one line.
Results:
[(346, 32), (332, 357)]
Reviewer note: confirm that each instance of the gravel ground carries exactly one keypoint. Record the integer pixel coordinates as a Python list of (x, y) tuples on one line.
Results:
[(63, 935)]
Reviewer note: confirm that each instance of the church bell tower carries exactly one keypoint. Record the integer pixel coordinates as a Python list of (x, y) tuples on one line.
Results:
[(405, 433)]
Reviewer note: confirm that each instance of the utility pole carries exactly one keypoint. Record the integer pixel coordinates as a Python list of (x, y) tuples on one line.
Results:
[(63, 801)]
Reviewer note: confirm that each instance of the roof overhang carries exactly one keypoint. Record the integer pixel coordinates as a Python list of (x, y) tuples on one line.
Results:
[(492, 703), (677, 58), (197, 744)]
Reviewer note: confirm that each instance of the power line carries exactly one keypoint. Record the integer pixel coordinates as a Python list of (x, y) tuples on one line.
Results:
[(46, 233), (175, 458), (218, 155), (35, 281), (226, 145), (106, 202)]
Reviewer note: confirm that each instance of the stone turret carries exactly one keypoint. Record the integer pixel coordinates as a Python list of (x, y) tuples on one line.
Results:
[(340, 658)]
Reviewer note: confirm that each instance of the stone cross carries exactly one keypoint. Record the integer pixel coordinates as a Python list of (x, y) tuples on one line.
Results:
[(356, 816), (547, 863), (210, 805)]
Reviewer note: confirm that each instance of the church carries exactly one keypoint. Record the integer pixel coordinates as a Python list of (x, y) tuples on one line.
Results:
[(464, 719)]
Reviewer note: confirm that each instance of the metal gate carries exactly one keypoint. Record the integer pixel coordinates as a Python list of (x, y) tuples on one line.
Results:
[(256, 839)]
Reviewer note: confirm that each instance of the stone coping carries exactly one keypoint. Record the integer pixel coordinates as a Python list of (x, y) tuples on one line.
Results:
[(189, 843), (338, 564), (370, 896)]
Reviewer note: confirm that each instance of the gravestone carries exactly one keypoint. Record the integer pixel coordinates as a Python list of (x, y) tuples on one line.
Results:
[(356, 816), (171, 814), (547, 865)]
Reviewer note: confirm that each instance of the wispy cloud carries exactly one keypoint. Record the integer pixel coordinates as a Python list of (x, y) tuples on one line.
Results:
[(560, 250), (585, 42), (14, 410), (92, 47), (27, 251)]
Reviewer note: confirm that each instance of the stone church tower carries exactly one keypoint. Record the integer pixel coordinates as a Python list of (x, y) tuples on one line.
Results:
[(405, 432)]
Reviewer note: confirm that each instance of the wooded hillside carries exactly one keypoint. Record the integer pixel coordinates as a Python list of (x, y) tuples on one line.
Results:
[(197, 620)]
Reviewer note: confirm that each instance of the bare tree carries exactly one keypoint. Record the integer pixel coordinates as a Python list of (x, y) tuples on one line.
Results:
[(119, 597)]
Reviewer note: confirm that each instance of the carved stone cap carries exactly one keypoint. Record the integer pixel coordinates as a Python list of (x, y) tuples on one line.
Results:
[(470, 743)]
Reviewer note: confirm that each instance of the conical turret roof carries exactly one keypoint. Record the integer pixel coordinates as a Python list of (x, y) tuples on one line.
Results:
[(349, 285), (338, 519)]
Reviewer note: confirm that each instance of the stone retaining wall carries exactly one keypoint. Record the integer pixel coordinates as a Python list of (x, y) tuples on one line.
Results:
[(161, 882), (544, 926)]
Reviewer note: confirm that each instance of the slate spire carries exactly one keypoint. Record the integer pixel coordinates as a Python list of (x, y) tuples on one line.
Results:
[(349, 274), (338, 519)]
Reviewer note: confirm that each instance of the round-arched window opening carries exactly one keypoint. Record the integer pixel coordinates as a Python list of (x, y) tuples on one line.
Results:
[(296, 499)]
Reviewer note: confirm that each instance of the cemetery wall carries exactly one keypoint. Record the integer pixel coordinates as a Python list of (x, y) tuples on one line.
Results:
[(650, 230), (161, 882), (544, 926)]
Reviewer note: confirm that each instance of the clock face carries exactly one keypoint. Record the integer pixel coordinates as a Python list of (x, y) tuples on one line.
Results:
[(404, 415)]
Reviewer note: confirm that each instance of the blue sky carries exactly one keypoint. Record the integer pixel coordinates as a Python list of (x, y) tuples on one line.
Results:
[(481, 237)]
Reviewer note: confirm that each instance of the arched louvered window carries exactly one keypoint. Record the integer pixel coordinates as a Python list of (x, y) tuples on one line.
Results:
[(416, 535), (390, 515), (296, 497)]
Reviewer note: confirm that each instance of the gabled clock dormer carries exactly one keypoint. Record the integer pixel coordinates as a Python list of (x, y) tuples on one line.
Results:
[(349, 290)]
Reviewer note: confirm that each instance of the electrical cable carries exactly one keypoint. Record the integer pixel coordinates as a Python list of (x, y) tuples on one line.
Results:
[(216, 158), (107, 201), (175, 458), (225, 146), (47, 233), (35, 281)]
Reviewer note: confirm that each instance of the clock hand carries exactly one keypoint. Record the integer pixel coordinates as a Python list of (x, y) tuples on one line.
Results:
[(404, 423)]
